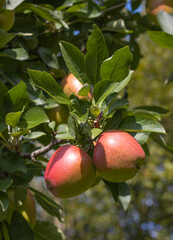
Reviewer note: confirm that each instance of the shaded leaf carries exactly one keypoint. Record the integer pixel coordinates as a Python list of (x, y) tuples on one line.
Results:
[(124, 196), (5, 38), (15, 53), (48, 57), (5, 183), (113, 189), (4, 202)]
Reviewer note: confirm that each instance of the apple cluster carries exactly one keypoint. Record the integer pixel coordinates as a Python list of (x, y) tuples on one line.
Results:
[(117, 156)]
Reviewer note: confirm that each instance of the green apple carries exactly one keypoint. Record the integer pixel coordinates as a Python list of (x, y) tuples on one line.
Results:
[(69, 172), (7, 18), (27, 210), (117, 156), (59, 114)]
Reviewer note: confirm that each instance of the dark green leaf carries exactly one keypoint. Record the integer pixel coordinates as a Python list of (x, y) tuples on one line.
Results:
[(43, 231), (20, 229), (5, 183), (124, 196), (11, 162), (97, 52), (114, 121), (116, 68), (74, 60), (4, 90), (116, 26), (155, 110), (119, 103), (161, 38), (46, 82), (71, 126), (15, 53), (48, 57), (141, 124), (2, 124), (5, 38), (113, 189), (13, 118), (33, 117), (17, 98), (48, 204), (4, 202)]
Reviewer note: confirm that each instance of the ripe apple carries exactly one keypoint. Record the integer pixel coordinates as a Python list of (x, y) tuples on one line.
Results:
[(59, 114), (154, 6), (70, 84), (7, 18), (117, 156), (69, 172), (27, 210)]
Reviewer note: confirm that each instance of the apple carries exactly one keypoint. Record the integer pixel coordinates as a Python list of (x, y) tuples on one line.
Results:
[(27, 210), (59, 114), (154, 6), (69, 172), (7, 18), (70, 84), (117, 156)]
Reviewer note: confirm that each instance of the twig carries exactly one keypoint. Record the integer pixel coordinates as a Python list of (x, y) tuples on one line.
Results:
[(42, 150)]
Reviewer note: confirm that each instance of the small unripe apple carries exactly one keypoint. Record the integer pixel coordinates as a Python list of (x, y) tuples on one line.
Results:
[(154, 6), (59, 114), (27, 210), (69, 172), (117, 156), (7, 18), (70, 84)]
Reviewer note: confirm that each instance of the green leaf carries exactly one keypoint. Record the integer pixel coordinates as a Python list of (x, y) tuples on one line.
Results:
[(17, 98), (5, 38), (84, 90), (12, 4), (123, 83), (33, 135), (46, 82), (20, 228), (119, 103), (33, 117), (161, 38), (5, 183), (15, 53), (43, 231), (155, 110), (161, 141), (48, 57), (116, 26), (102, 89), (4, 202), (71, 126), (3, 126), (48, 204), (141, 124), (13, 118), (41, 11), (97, 52), (141, 137), (124, 196), (114, 121), (74, 60), (63, 132), (165, 20), (112, 188), (95, 132), (86, 10), (12, 162), (4, 90), (116, 68)]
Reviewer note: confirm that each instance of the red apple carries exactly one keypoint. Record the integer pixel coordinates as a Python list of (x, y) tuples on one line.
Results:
[(69, 172), (117, 156), (70, 84), (154, 6)]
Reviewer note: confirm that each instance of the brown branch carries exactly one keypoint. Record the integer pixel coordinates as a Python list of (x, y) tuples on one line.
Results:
[(42, 150)]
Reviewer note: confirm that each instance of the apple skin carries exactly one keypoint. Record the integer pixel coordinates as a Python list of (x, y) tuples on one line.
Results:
[(69, 172), (7, 18), (58, 114), (27, 210), (154, 6), (117, 156), (70, 84)]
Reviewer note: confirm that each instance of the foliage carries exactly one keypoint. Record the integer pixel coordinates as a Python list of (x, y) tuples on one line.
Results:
[(48, 40)]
